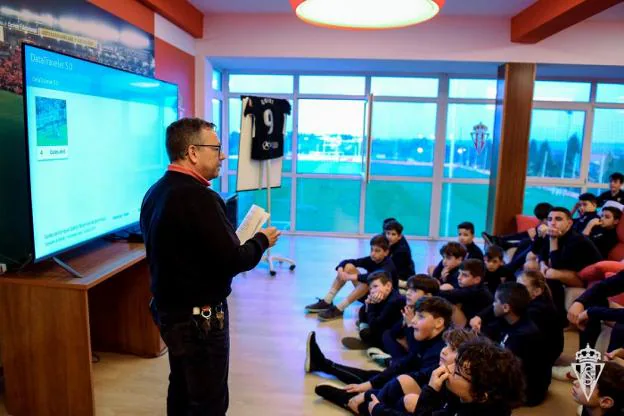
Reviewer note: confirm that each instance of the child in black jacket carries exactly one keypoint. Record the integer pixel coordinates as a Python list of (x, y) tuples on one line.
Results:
[(485, 380), (400, 251), (496, 271), (447, 271)]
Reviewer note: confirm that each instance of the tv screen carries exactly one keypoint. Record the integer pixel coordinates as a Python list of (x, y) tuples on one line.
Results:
[(96, 143)]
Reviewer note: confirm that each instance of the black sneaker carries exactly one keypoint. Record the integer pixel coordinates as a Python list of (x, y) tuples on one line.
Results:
[(334, 394), (330, 313), (319, 306), (315, 359), (353, 343)]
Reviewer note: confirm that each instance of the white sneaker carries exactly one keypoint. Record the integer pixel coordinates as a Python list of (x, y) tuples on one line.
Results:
[(374, 351), (563, 373)]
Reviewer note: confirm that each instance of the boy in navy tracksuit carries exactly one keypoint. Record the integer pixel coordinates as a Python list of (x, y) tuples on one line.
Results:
[(447, 271), (603, 231), (465, 236), (433, 316), (471, 297), (381, 310), (496, 271), (400, 251), (586, 206), (379, 259), (397, 340), (515, 331)]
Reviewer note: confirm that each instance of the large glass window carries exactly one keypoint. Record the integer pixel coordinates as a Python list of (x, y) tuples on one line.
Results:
[(409, 202), (561, 91), (276, 84), (216, 115), (403, 139), (329, 205), (234, 124), (607, 150), (556, 143), (558, 196), (216, 80), (610, 93), (330, 138), (468, 141), (472, 88), (463, 202), (316, 84), (404, 87), (280, 202)]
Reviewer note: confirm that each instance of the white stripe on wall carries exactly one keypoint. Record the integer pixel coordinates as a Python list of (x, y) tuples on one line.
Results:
[(172, 34)]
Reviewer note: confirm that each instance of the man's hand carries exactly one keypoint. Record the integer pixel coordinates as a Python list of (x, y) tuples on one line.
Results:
[(583, 319), (272, 234), (358, 388), (574, 311), (554, 233), (618, 353), (542, 230), (371, 405), (438, 377), (475, 324)]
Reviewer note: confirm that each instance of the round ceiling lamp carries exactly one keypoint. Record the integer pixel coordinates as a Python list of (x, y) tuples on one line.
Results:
[(366, 14)]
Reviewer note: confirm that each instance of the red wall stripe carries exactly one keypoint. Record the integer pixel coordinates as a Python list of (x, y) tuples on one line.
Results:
[(175, 65)]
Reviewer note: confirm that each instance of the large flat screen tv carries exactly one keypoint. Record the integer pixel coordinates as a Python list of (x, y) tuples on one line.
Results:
[(95, 143)]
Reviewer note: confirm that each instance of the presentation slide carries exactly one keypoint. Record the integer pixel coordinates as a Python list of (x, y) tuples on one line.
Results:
[(96, 142)]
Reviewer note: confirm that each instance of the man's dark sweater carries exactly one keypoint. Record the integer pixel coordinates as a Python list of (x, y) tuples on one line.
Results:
[(521, 338), (401, 255), (575, 252), (381, 316), (581, 222), (368, 264), (596, 299), (471, 300), (192, 249), (604, 239), (608, 196), (419, 363)]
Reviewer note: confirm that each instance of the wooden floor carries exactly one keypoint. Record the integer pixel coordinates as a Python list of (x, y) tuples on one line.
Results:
[(268, 331)]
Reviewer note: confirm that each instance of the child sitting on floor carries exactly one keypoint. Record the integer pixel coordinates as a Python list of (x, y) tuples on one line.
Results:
[(447, 271), (379, 259), (496, 272), (400, 251)]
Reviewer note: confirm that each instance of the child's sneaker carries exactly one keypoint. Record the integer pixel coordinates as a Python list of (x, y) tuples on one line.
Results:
[(382, 359), (374, 351), (319, 306), (315, 360), (330, 313)]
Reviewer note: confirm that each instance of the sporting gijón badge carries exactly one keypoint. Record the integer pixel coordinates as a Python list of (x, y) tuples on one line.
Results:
[(268, 116)]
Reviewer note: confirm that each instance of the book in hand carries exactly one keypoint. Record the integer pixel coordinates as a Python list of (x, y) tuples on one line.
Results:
[(254, 220)]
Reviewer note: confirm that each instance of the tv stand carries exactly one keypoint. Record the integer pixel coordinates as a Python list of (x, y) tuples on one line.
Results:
[(68, 268)]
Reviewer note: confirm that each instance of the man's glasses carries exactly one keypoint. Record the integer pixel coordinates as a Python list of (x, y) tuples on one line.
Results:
[(214, 146)]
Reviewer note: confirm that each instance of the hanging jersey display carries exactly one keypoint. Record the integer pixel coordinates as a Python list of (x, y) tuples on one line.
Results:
[(269, 118)]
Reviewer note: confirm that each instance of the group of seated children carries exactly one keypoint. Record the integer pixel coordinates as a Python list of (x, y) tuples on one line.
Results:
[(476, 335)]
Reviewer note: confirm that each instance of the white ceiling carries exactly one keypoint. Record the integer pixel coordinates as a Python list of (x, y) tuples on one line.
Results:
[(491, 8)]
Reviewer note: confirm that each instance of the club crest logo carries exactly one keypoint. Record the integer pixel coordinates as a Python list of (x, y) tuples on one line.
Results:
[(588, 367)]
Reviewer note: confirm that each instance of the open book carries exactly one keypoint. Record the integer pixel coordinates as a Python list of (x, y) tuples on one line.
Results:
[(253, 221)]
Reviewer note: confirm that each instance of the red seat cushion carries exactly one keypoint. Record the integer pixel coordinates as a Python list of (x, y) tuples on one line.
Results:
[(525, 222)]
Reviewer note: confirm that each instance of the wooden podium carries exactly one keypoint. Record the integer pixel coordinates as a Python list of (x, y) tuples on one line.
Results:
[(50, 322)]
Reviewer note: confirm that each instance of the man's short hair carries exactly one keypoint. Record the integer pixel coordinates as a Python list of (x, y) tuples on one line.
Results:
[(425, 283), (466, 225), (380, 275), (616, 176), (393, 225), (541, 210), (494, 252), (182, 133), (617, 214), (437, 307), (561, 209), (380, 241), (453, 248), (515, 295), (589, 197), (474, 266)]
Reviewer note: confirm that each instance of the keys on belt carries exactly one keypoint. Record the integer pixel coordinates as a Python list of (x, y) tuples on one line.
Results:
[(210, 315)]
